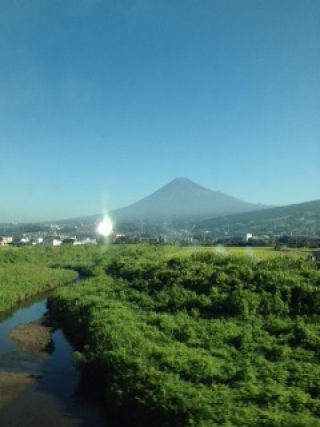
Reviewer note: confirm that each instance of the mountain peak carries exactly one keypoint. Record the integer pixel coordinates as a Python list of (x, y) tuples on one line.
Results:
[(180, 180), (182, 198)]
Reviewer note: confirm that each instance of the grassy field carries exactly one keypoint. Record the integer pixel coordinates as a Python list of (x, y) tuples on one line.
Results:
[(264, 253), (260, 253), (175, 337), (25, 271)]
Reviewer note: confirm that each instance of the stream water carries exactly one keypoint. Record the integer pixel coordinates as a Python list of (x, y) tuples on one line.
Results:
[(54, 399)]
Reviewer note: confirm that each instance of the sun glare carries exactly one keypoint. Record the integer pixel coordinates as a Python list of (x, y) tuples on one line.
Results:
[(105, 227)]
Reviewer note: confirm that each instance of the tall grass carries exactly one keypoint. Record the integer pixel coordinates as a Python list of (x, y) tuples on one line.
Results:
[(25, 272)]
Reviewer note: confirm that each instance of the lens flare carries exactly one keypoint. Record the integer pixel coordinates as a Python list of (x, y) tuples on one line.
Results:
[(105, 227)]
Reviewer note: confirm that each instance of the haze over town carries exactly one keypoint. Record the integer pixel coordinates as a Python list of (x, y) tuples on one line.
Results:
[(102, 103)]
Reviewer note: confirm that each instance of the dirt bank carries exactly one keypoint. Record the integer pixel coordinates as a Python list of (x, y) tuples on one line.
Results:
[(34, 338)]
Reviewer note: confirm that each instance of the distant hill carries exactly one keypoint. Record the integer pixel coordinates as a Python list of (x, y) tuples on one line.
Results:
[(183, 198), (302, 218)]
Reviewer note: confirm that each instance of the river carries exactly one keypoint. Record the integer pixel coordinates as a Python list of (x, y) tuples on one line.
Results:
[(53, 397)]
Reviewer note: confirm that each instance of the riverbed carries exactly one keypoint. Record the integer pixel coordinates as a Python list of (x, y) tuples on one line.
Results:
[(38, 391)]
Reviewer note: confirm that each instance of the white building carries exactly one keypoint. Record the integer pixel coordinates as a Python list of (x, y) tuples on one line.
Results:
[(52, 241)]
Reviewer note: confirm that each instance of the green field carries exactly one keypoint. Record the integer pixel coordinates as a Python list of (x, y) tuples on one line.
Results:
[(26, 272), (255, 252), (184, 337), (266, 252), (187, 337)]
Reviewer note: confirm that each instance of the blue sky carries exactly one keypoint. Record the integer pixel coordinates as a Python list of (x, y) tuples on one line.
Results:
[(103, 102)]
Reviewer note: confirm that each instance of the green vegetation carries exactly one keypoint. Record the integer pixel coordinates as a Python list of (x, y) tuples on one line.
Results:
[(198, 339), (25, 272), (258, 253), (268, 252)]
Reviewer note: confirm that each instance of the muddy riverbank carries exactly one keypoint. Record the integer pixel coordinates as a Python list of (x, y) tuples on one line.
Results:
[(34, 338)]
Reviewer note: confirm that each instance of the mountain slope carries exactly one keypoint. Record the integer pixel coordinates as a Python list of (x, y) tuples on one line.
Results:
[(182, 198), (300, 217)]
